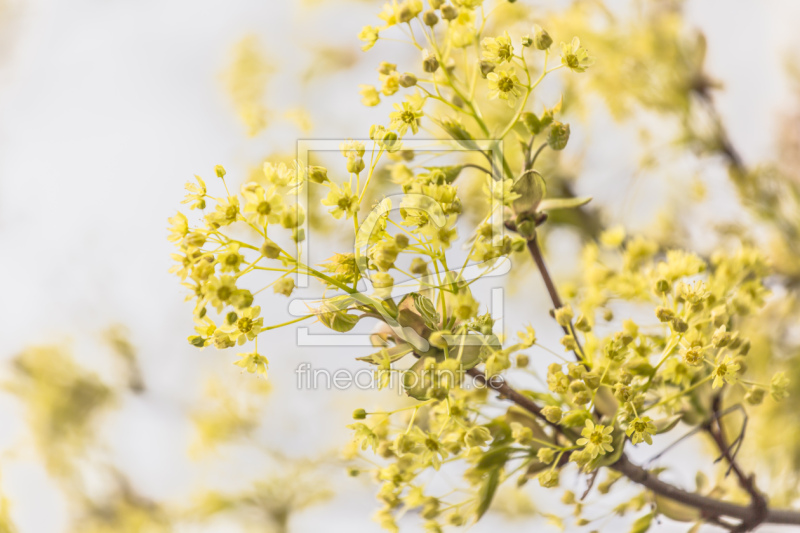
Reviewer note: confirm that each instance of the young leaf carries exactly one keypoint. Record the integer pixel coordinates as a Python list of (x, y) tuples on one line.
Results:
[(563, 203), (486, 494)]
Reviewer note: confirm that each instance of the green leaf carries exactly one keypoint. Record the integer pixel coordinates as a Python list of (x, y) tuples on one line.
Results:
[(642, 523), (495, 457), (676, 510), (418, 381), (394, 353), (550, 204), (487, 492), (532, 123), (333, 314)]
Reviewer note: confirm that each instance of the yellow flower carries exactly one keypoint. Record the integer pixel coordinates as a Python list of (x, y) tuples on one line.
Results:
[(369, 95), (226, 212), (281, 175), (370, 36), (497, 49), (220, 290), (284, 286), (462, 29), (575, 57), (343, 201), (641, 429), (262, 207), (180, 227), (725, 372), (406, 115), (779, 386), (504, 84), (247, 325), (197, 194), (231, 260), (596, 438), (253, 362)]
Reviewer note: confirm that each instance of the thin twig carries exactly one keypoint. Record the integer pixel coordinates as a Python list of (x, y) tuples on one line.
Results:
[(536, 253)]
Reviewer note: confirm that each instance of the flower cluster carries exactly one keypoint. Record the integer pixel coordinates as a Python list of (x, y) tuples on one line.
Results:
[(654, 335)]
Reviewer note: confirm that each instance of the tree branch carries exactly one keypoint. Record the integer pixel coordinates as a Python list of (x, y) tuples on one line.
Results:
[(536, 253), (709, 508)]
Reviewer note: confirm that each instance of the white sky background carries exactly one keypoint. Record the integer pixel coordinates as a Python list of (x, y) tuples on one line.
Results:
[(107, 107)]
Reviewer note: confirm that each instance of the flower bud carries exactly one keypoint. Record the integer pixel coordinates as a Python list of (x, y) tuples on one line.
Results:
[(419, 266), (284, 286), (745, 347), (477, 436), (564, 315), (401, 241), (582, 324), (552, 413), (679, 326), (522, 360), (487, 67), (449, 12), (546, 455), (407, 79), (576, 371), (293, 217), (721, 337), (430, 18), (386, 68), (755, 396), (664, 314), (592, 380), (317, 174), (549, 478), (355, 164), (436, 4), (430, 64), (559, 136), (359, 414), (408, 10), (542, 38), (220, 170), (197, 341), (577, 386), (270, 250), (661, 287), (527, 41), (583, 397)]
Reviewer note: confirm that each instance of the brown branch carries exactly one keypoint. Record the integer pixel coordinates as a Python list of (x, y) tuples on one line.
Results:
[(536, 253), (711, 509), (758, 503)]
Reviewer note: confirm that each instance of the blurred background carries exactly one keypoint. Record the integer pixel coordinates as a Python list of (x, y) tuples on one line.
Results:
[(111, 421)]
